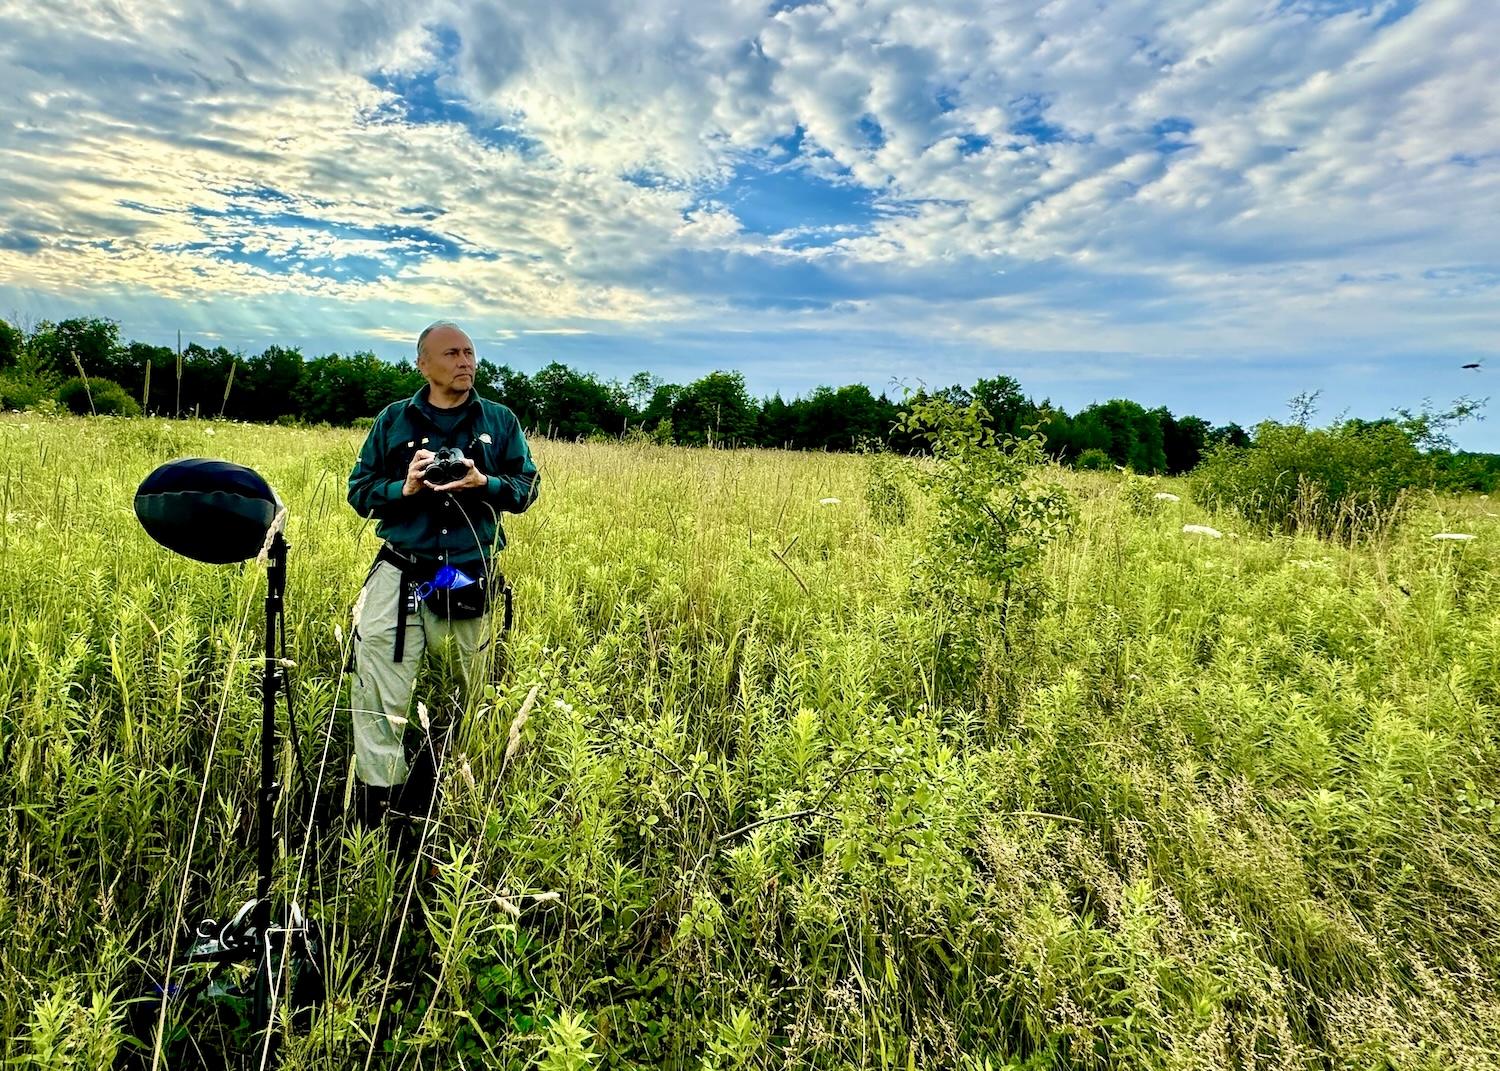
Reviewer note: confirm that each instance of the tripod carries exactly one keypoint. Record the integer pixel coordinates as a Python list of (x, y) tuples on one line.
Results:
[(286, 950)]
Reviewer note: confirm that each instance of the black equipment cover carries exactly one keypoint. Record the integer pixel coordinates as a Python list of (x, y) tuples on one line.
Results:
[(208, 510)]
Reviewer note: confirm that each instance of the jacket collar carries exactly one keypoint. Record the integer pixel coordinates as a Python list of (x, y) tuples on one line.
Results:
[(417, 403)]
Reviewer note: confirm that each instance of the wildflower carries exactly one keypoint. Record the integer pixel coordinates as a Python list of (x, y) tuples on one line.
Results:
[(1203, 530), (1453, 535), (828, 502), (208, 431), (1166, 496)]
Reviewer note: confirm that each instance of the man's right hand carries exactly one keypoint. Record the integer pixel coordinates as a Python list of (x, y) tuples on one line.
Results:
[(415, 471)]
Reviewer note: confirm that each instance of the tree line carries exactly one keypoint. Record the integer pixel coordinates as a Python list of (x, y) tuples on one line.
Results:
[(54, 360)]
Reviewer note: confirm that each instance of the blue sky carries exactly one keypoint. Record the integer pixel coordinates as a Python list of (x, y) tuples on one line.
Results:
[(1211, 206)]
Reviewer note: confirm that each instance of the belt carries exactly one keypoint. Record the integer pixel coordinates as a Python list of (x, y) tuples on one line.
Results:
[(413, 571)]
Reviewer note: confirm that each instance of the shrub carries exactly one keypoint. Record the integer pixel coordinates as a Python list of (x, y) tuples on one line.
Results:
[(1139, 493), (28, 382), (885, 489), (21, 391), (995, 510), (1342, 481), (1094, 460), (108, 397)]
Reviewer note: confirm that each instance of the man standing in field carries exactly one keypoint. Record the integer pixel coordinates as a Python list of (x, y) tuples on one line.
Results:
[(410, 602)]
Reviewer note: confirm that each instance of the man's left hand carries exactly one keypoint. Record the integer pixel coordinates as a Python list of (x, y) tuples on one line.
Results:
[(472, 478)]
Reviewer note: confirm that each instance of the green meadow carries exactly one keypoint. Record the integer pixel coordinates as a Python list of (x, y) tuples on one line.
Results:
[(747, 792)]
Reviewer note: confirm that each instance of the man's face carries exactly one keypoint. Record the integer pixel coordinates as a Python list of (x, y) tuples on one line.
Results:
[(447, 360)]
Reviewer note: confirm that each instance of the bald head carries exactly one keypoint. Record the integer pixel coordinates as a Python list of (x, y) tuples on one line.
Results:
[(434, 326)]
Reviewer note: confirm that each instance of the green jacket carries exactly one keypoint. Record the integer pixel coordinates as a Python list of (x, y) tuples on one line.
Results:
[(457, 526)]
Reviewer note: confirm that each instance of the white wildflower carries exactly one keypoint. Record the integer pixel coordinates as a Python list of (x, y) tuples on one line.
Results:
[(1203, 530), (828, 502), (1453, 535), (208, 431), (1166, 496)]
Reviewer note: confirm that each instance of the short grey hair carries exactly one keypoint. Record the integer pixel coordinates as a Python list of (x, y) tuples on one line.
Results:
[(430, 328)]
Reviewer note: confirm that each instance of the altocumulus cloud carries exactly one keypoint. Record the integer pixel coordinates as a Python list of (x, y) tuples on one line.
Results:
[(1145, 198)]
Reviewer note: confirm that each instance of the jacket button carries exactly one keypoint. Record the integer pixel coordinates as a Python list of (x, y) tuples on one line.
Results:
[(445, 531)]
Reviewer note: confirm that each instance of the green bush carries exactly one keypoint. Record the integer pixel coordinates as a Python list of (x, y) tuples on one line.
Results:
[(996, 506), (1139, 494), (28, 381), (18, 391), (107, 396), (885, 488), (1343, 481), (1094, 460)]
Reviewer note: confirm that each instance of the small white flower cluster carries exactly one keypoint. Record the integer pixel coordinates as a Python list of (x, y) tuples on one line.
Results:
[(828, 502), (1462, 536), (1166, 496), (1203, 530)]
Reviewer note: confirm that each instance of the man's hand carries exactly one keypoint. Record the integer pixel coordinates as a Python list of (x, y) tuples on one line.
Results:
[(414, 471), (472, 478)]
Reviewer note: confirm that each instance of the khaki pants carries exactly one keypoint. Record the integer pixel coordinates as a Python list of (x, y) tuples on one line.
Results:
[(380, 697)]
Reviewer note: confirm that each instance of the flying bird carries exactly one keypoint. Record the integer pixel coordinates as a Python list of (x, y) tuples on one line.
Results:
[(1476, 364)]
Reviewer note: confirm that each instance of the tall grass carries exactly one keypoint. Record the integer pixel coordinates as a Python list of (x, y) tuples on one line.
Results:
[(1220, 803)]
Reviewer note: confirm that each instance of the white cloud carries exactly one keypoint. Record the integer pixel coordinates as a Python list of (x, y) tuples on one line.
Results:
[(1142, 177)]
